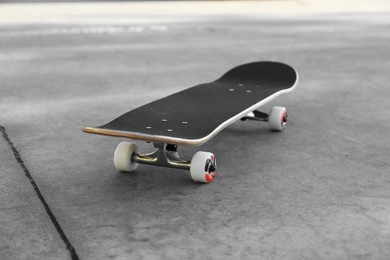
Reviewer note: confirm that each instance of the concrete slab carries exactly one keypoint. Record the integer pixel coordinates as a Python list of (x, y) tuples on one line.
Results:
[(26, 231), (318, 190)]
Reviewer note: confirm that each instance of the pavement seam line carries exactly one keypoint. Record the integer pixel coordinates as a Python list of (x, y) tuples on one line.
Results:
[(53, 219)]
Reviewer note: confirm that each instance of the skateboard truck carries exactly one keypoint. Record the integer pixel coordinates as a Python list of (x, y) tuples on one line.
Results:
[(164, 155), (277, 118), (203, 165), (256, 116)]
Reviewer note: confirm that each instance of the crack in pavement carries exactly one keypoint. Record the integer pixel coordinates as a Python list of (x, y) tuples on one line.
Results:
[(53, 219)]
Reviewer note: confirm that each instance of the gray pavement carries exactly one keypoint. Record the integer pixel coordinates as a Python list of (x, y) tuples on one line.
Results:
[(25, 228), (321, 189)]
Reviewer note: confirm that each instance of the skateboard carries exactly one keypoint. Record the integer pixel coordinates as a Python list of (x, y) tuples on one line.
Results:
[(195, 115)]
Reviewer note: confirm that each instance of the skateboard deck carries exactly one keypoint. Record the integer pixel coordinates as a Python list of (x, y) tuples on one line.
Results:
[(195, 115)]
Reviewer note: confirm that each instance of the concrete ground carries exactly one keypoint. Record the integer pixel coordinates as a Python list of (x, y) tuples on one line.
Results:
[(319, 190)]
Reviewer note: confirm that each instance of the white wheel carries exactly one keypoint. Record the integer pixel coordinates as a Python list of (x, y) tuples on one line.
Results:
[(277, 119), (122, 157), (203, 167)]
